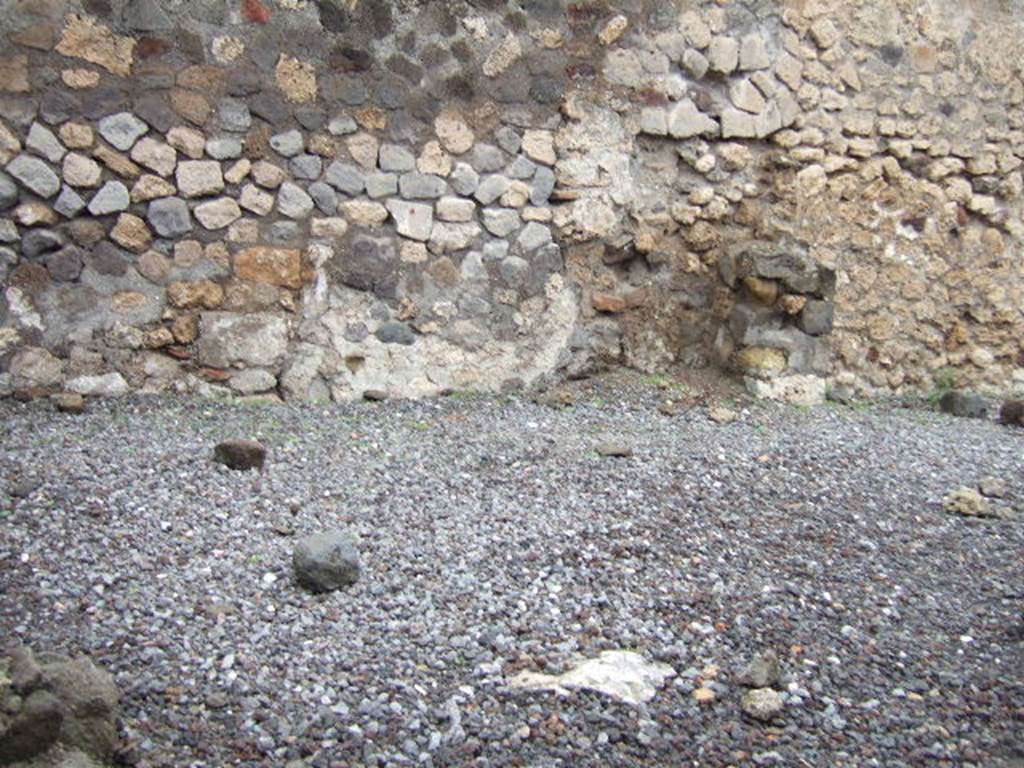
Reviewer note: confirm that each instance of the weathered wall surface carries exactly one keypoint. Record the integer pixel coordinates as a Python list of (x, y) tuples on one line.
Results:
[(321, 198)]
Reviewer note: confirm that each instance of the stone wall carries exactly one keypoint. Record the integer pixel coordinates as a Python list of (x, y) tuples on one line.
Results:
[(324, 198)]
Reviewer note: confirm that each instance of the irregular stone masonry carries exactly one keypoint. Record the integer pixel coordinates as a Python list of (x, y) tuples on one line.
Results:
[(239, 195)]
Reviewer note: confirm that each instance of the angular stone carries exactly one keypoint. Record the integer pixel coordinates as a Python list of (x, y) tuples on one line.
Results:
[(267, 175), (453, 132), (132, 233), (738, 124), (113, 197), (194, 294), (533, 236), (42, 141), (324, 196), (395, 158), (464, 179), (35, 175), (85, 38), (745, 96), (539, 146), (288, 144), (69, 203), (364, 213), (146, 16), (81, 171), (306, 167), (654, 121), (240, 455), (412, 220), (695, 63), (293, 201), (227, 339), (155, 155), (169, 217), (217, 214), (455, 209), (271, 266), (188, 141), (723, 55), (238, 172), (418, 186), (36, 242), (753, 54), (345, 177), (9, 144), (296, 79), (501, 222), (122, 130), (491, 188), (686, 121), (542, 187), (446, 238), (224, 148), (234, 115), (434, 160), (197, 178), (256, 200), (380, 184), (326, 561), (150, 187)]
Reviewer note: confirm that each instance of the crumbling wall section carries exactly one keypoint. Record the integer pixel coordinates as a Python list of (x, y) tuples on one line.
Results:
[(324, 198)]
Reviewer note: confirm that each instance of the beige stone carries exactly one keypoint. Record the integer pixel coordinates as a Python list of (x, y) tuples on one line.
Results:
[(237, 173), (539, 146), (371, 118), (116, 162), (695, 29), (150, 187), (503, 56), (217, 214), (81, 171), (226, 48), (204, 294), (267, 174), (413, 253), (363, 147), (613, 30), (256, 200), (85, 38), (723, 55), (132, 233), (188, 141), (296, 79), (80, 79), (453, 132), (745, 96), (363, 213), (329, 227), (35, 214), (433, 159), (516, 196), (155, 155), (76, 135), (273, 266)]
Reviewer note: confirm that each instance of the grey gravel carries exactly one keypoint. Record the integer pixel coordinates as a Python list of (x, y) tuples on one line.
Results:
[(494, 539)]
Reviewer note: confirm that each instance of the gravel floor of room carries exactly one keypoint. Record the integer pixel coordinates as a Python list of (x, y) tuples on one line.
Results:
[(495, 538)]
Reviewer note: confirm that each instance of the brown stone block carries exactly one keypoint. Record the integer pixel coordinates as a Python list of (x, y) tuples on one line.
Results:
[(274, 266)]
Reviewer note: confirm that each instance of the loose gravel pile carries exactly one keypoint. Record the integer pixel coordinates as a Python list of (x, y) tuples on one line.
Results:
[(494, 538)]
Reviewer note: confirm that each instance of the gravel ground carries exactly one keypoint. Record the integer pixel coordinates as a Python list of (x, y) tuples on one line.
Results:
[(495, 538)]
